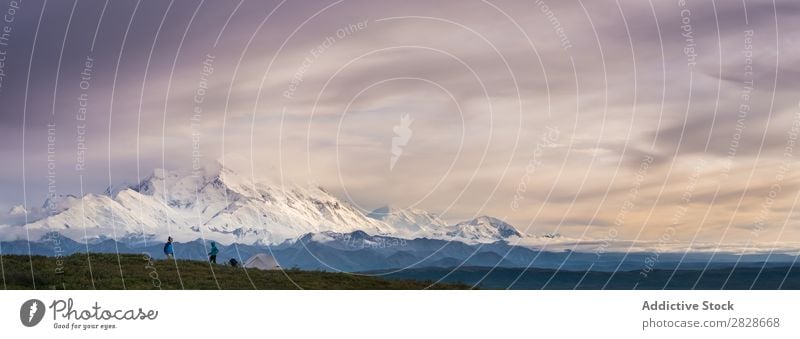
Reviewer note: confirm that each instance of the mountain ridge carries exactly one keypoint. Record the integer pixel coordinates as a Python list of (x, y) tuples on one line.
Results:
[(218, 204)]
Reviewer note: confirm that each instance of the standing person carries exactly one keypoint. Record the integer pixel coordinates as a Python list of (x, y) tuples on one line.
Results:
[(212, 255), (168, 251)]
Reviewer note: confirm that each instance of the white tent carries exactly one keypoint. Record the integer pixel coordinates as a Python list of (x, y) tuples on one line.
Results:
[(262, 261)]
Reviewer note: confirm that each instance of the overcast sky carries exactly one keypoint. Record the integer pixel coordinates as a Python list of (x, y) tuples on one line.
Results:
[(606, 119)]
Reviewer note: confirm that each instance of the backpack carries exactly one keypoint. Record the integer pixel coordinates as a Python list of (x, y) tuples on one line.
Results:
[(234, 262)]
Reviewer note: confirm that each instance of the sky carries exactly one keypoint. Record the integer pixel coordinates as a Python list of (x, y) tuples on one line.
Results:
[(661, 121)]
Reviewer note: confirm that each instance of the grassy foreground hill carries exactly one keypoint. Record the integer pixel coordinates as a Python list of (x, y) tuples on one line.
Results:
[(140, 272)]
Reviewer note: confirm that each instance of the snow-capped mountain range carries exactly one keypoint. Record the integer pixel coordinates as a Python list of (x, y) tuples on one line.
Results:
[(218, 204)]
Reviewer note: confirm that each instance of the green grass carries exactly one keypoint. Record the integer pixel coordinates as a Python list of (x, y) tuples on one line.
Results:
[(128, 271)]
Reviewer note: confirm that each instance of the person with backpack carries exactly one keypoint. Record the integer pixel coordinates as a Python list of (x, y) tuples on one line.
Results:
[(168, 251), (212, 255)]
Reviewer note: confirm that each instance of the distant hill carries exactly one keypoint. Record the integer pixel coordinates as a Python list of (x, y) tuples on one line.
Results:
[(359, 252), (765, 277), (140, 272)]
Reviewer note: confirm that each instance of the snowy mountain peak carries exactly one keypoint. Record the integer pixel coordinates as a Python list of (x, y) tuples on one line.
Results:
[(113, 190), (214, 202), (17, 215), (408, 221), (17, 210), (217, 203), (483, 229), (58, 203), (183, 187)]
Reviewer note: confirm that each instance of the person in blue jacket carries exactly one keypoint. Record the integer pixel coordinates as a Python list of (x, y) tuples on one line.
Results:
[(168, 251), (212, 255)]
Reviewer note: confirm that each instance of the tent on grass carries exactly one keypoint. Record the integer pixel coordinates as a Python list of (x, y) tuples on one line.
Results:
[(262, 261)]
